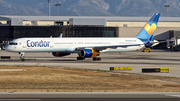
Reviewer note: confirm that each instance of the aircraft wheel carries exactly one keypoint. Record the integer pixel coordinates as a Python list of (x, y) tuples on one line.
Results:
[(80, 58), (23, 60), (96, 58), (99, 58)]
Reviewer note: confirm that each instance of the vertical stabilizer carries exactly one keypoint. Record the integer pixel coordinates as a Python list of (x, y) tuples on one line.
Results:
[(150, 28)]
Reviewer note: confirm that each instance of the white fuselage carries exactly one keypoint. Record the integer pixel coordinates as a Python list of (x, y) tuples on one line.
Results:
[(70, 44)]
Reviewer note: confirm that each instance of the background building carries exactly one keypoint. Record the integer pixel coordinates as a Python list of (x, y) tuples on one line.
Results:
[(12, 27)]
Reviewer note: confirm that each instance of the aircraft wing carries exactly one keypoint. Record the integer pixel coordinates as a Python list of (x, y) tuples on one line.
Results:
[(105, 47)]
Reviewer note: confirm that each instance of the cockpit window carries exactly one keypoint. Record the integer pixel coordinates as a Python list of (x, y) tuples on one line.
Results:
[(12, 43)]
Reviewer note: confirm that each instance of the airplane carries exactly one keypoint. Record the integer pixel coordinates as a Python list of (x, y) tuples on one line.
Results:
[(86, 47)]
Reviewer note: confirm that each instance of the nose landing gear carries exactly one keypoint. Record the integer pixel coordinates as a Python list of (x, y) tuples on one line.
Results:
[(22, 56)]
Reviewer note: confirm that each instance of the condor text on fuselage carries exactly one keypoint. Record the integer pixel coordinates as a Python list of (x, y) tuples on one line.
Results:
[(37, 44)]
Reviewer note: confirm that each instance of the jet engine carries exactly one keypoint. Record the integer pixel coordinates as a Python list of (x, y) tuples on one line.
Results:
[(59, 54), (89, 53)]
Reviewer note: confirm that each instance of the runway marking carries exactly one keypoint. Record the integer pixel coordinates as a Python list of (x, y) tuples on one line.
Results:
[(95, 65), (19, 99), (175, 95), (152, 65), (38, 63)]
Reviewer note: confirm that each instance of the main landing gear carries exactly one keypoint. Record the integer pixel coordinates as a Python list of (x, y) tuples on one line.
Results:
[(94, 58), (80, 58), (22, 56)]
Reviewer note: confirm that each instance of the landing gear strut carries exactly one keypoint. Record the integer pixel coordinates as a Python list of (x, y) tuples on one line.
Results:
[(96, 58), (22, 56)]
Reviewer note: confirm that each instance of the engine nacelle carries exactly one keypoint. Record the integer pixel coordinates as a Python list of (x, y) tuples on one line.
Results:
[(59, 54), (89, 53)]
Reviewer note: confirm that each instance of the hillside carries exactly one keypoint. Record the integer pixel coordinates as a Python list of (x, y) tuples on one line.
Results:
[(90, 7)]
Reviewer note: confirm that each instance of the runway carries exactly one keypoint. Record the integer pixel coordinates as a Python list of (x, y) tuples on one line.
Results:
[(81, 96), (136, 60)]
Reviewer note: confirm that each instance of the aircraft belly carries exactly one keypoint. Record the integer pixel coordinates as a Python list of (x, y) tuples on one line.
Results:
[(134, 48)]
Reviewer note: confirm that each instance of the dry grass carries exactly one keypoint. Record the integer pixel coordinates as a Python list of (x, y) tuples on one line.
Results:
[(46, 79)]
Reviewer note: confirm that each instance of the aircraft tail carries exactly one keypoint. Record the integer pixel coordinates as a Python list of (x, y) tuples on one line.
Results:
[(149, 29)]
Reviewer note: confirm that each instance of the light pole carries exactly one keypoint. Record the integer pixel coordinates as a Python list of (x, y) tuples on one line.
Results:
[(57, 5), (166, 8), (49, 1)]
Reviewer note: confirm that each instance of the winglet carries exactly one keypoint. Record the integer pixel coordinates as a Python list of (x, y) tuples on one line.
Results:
[(61, 35)]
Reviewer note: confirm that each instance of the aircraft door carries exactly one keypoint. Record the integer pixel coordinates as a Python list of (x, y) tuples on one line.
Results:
[(24, 44), (51, 44)]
